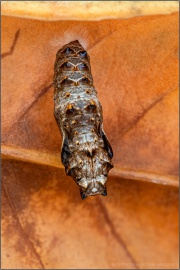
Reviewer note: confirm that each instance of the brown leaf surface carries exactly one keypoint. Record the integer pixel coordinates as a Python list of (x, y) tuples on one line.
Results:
[(135, 69), (85, 10), (46, 225)]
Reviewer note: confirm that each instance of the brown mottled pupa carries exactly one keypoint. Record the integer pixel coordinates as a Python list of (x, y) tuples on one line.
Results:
[(86, 152)]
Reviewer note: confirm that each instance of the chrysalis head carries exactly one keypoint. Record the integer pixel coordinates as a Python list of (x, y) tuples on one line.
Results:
[(90, 187)]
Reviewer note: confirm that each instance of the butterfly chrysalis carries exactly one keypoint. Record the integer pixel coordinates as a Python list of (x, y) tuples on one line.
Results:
[(86, 152)]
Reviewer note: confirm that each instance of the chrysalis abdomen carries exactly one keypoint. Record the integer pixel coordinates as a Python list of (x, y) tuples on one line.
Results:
[(86, 152)]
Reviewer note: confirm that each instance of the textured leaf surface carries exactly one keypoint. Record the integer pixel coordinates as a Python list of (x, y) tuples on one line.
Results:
[(86, 10), (46, 223), (135, 69)]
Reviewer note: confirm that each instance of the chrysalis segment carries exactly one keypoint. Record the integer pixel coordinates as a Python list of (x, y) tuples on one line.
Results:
[(86, 152)]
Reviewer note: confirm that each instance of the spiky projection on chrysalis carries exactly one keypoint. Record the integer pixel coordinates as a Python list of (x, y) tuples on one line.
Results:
[(86, 152)]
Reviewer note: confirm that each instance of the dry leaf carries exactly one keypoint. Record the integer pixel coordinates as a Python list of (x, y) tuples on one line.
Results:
[(45, 223), (86, 10)]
